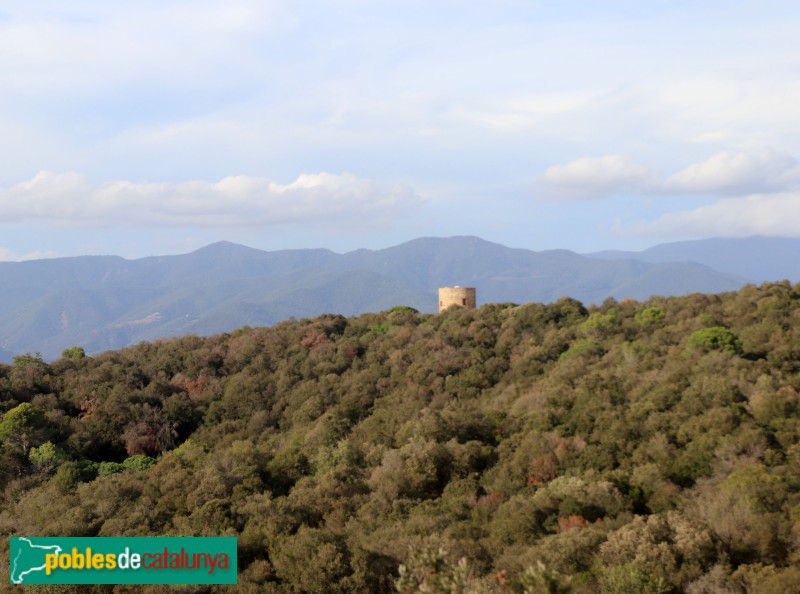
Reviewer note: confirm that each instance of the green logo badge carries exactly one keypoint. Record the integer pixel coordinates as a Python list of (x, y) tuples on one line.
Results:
[(123, 560)]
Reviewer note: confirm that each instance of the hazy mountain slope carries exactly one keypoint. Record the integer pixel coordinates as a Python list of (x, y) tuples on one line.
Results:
[(505, 274), (109, 302), (260, 302), (757, 259), (23, 282)]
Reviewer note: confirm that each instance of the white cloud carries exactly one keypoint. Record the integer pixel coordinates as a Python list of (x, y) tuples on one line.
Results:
[(761, 105), (532, 112), (758, 194), (759, 214), (71, 200), (594, 177), (737, 172), (7, 255), (730, 172)]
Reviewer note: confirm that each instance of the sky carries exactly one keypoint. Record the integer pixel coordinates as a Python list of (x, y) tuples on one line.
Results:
[(147, 127)]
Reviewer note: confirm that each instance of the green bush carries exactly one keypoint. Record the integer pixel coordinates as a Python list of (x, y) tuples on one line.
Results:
[(650, 315), (138, 462), (404, 308), (716, 338), (46, 456), (75, 353), (581, 347), (108, 468)]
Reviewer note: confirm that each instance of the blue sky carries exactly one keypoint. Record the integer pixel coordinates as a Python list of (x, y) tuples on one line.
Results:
[(142, 127)]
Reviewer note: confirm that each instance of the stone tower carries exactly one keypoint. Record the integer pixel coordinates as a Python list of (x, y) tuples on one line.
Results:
[(460, 296)]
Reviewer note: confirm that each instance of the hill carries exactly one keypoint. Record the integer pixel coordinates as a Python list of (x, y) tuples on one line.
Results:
[(630, 447), (758, 259), (103, 303)]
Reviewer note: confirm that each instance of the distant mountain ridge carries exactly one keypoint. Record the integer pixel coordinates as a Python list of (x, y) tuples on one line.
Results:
[(757, 259), (105, 302)]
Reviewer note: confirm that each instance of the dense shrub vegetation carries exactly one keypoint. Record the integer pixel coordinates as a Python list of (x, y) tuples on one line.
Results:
[(627, 448)]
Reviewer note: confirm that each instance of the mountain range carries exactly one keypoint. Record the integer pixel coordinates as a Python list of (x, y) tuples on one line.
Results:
[(106, 302), (754, 258)]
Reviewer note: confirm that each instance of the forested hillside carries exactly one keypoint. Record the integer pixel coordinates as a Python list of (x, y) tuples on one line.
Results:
[(635, 447)]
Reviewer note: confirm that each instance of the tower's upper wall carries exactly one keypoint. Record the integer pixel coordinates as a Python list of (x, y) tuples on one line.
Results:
[(460, 296)]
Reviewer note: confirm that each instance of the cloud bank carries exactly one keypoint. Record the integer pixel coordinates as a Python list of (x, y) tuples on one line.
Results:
[(727, 172), (594, 177), (459, 100), (737, 172), (757, 192), (758, 214), (69, 199), (7, 255)]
